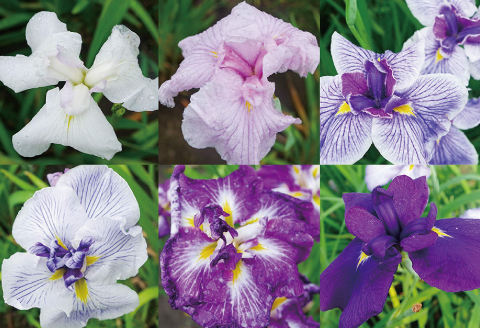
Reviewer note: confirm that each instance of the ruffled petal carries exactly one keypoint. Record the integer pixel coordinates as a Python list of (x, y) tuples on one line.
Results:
[(146, 99), (348, 57), (452, 262), (426, 10), (470, 116), (409, 139), (88, 132), (102, 192), (454, 148), (357, 285), (52, 213), (220, 116), (118, 253), (27, 283), (103, 302), (344, 137)]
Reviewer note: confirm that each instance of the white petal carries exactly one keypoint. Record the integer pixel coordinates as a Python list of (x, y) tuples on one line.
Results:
[(88, 132), (146, 99), (26, 284), (426, 10), (102, 192), (104, 302), (50, 213), (41, 26), (121, 253), (348, 57)]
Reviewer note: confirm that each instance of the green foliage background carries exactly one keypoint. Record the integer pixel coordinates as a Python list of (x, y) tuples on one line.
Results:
[(93, 20), (377, 25), (453, 189), (299, 97), (310, 267), (18, 183)]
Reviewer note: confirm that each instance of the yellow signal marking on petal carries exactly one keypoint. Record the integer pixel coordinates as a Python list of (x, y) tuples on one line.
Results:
[(363, 257), (316, 199), (81, 289), (251, 221), (259, 247), (438, 141), (440, 232), (226, 208), (411, 167), (296, 169), (404, 110), (248, 106), (214, 53), (378, 58), (92, 259), (207, 251), (61, 243), (315, 171), (439, 56), (237, 272), (343, 109), (70, 119), (58, 274), (277, 302), (296, 194)]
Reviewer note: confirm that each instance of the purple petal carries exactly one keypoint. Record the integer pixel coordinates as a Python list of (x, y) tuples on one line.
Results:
[(344, 137), (354, 83), (454, 148), (470, 116), (229, 255), (452, 262), (426, 10), (360, 289), (358, 199), (380, 175), (385, 209), (362, 224), (360, 103)]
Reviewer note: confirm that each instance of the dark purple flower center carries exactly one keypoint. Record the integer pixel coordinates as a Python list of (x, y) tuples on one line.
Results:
[(212, 214), (71, 261)]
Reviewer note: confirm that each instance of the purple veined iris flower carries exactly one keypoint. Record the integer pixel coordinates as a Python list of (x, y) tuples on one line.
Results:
[(71, 116), (380, 175), (452, 41), (444, 253), (164, 215), (80, 238), (299, 181), (233, 249), (454, 147), (230, 62), (381, 98), (288, 313)]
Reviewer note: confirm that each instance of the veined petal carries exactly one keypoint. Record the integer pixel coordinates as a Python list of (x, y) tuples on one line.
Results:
[(451, 263), (454, 148), (27, 283), (53, 213), (118, 253), (363, 224), (220, 116), (357, 285), (348, 57), (344, 137), (88, 132), (426, 10), (103, 302), (470, 116), (102, 192)]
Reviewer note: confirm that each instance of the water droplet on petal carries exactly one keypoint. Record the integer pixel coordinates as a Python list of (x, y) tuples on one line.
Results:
[(151, 97)]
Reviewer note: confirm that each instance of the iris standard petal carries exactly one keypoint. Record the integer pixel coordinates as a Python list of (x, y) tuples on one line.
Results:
[(88, 132), (426, 10), (102, 192), (356, 284), (409, 138), (103, 302), (53, 213), (118, 253), (454, 148), (469, 117), (344, 137), (221, 116), (452, 262), (27, 283), (363, 224), (358, 199)]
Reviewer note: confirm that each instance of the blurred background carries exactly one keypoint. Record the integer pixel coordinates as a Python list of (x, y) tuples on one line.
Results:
[(93, 20), (453, 189), (18, 183), (382, 25), (179, 319), (298, 144)]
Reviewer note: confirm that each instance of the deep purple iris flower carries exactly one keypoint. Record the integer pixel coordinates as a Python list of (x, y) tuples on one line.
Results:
[(163, 209), (382, 98), (233, 249), (452, 36), (444, 253)]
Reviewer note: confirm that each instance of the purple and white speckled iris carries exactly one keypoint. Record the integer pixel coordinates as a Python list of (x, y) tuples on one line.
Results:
[(81, 238), (164, 209), (234, 248), (382, 98)]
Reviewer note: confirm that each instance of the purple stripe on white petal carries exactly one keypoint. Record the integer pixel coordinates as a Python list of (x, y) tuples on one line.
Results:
[(470, 116), (451, 263), (454, 148), (344, 138), (348, 57), (426, 10)]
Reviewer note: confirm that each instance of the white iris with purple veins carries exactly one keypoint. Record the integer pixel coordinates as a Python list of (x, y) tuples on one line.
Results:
[(71, 117), (80, 237)]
